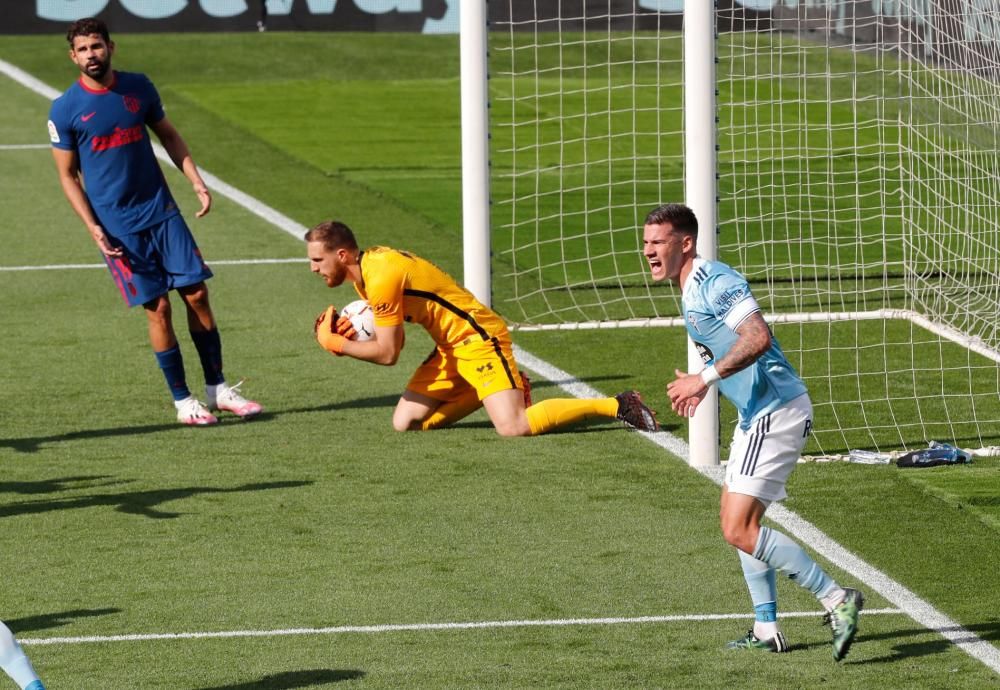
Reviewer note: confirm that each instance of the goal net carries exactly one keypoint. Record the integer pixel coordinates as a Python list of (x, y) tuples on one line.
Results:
[(858, 190)]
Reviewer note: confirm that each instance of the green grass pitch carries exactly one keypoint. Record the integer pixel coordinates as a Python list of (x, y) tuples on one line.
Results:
[(117, 522)]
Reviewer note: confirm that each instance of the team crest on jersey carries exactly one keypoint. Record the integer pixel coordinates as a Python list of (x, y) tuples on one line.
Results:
[(132, 104)]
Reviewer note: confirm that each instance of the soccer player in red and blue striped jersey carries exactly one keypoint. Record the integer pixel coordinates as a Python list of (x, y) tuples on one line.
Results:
[(110, 175)]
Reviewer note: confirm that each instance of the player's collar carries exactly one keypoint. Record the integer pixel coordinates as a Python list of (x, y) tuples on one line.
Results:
[(360, 288), (103, 89), (697, 263)]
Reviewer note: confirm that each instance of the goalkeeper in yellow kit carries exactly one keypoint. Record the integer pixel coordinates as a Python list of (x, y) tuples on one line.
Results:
[(472, 364)]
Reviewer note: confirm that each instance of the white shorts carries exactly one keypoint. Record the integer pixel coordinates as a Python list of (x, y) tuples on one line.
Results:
[(761, 458)]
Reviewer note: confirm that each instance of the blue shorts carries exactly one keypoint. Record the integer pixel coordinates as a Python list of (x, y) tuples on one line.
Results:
[(160, 258)]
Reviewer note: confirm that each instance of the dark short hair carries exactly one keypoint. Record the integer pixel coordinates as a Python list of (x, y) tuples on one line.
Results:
[(87, 27), (333, 234), (680, 217)]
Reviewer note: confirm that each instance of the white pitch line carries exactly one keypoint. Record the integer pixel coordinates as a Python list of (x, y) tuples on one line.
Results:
[(223, 262), (418, 627), (912, 605), (23, 147)]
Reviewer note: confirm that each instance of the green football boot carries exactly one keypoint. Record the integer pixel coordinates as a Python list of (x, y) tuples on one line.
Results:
[(844, 622)]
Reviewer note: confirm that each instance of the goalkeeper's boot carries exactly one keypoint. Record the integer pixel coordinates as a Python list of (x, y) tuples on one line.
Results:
[(634, 412), (752, 642), (191, 411), (843, 620), (228, 399)]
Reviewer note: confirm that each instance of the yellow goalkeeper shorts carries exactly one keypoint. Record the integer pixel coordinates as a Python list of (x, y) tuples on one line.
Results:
[(487, 366)]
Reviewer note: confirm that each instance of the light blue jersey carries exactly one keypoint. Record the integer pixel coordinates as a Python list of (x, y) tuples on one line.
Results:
[(716, 299)]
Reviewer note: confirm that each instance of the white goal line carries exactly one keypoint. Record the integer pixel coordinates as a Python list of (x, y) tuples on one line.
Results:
[(405, 627), (223, 262)]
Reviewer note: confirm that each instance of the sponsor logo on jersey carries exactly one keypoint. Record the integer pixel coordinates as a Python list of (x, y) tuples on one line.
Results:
[(120, 137), (132, 104), (726, 300), (53, 132), (704, 351), (381, 308)]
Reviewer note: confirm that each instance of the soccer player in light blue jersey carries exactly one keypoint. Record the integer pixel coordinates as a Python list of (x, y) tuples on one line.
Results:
[(15, 663), (110, 175), (775, 417)]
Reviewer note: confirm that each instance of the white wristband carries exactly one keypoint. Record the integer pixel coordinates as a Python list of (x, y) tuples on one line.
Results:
[(710, 375)]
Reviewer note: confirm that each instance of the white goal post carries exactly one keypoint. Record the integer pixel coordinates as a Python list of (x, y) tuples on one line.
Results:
[(845, 151)]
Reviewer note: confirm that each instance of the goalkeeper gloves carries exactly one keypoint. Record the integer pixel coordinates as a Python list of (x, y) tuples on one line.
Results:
[(332, 330)]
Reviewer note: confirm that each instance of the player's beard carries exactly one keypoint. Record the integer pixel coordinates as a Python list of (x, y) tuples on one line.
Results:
[(336, 276), (97, 69), (335, 280)]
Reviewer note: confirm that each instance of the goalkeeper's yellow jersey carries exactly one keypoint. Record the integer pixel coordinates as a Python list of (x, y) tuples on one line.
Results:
[(402, 287)]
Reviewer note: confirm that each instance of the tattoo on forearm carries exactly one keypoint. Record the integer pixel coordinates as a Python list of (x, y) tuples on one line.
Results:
[(754, 339)]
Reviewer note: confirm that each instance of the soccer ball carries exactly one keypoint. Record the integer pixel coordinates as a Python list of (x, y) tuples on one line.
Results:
[(362, 318)]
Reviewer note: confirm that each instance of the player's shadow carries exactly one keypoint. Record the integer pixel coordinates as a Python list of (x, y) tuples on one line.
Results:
[(57, 485), (32, 444), (988, 632), (142, 503), (48, 621), (294, 679)]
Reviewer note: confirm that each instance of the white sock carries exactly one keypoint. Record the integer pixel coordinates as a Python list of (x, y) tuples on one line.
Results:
[(213, 390), (833, 599), (765, 631)]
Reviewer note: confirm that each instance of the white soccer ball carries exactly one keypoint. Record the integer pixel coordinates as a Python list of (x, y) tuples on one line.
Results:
[(362, 318)]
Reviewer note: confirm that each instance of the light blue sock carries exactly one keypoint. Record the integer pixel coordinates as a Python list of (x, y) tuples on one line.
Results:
[(763, 587), (784, 555), (14, 662)]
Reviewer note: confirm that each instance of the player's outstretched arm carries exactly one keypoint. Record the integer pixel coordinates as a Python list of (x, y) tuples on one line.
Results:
[(177, 149), (67, 165)]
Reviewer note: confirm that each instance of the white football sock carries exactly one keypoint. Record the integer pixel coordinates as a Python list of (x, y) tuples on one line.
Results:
[(765, 631), (832, 600)]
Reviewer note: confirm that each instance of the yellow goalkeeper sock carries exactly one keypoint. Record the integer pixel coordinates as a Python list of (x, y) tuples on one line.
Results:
[(558, 412), (452, 411)]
